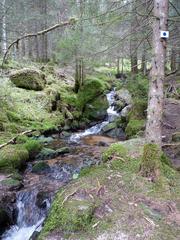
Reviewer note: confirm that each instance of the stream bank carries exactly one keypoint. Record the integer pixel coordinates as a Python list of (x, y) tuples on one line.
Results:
[(56, 165)]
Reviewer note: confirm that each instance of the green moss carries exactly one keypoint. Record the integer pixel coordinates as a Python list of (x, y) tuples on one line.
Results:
[(29, 79), (74, 215), (134, 126), (22, 139), (91, 89), (10, 182), (40, 167), (151, 163), (92, 170), (139, 109), (165, 159), (96, 109), (13, 117), (138, 86), (33, 147), (13, 157), (115, 150)]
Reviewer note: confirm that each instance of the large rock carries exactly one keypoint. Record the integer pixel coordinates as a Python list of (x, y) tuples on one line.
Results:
[(30, 79), (124, 95), (112, 130), (97, 109)]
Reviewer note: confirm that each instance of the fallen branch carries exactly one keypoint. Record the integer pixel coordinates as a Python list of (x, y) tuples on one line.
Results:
[(68, 196), (13, 140), (71, 21)]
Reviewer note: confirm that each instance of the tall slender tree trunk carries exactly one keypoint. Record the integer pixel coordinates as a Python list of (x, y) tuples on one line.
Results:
[(155, 103), (4, 33), (118, 67), (173, 60), (133, 41), (143, 65)]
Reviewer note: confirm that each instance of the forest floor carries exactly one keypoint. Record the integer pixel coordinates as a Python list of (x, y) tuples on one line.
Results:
[(123, 205)]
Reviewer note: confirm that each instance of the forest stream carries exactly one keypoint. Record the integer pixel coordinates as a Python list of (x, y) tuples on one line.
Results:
[(34, 200)]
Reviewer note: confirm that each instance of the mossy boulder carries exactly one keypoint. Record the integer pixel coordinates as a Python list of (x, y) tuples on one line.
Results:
[(11, 184), (92, 88), (124, 96), (96, 110), (13, 157), (46, 153), (30, 79), (70, 215), (63, 150), (112, 130), (40, 167), (116, 150), (33, 147), (134, 127)]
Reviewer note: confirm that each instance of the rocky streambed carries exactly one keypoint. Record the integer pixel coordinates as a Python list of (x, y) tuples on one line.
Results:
[(27, 200)]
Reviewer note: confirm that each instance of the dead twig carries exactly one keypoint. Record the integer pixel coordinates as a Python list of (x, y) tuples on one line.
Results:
[(13, 140), (68, 196)]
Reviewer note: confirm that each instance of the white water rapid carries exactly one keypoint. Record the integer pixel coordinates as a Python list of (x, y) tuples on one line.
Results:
[(112, 114), (30, 217)]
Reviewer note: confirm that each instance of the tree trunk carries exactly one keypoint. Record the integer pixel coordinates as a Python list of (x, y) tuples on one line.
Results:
[(173, 60), (143, 66), (4, 33), (79, 75), (118, 62), (155, 102), (133, 41)]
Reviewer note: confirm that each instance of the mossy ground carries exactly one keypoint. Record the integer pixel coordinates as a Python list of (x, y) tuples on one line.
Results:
[(13, 157), (125, 203)]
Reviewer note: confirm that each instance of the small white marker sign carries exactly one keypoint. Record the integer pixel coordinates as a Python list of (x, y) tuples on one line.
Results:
[(164, 34)]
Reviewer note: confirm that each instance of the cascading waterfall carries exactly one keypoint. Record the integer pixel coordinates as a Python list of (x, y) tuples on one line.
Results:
[(30, 216), (112, 114)]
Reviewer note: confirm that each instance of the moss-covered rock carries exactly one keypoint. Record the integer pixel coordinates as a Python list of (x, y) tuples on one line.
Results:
[(92, 88), (46, 153), (13, 157), (74, 214), (33, 147), (30, 79), (11, 183), (40, 167), (63, 150), (134, 127), (96, 109), (115, 150), (124, 96)]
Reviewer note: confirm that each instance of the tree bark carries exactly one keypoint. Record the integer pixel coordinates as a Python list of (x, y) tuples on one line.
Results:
[(155, 102), (133, 41), (173, 60), (4, 33), (118, 62), (143, 65)]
